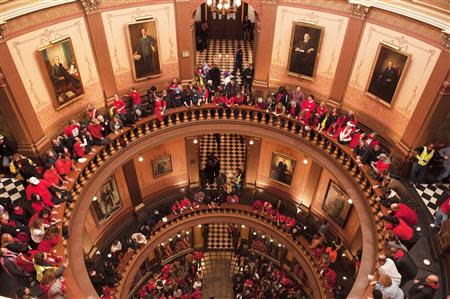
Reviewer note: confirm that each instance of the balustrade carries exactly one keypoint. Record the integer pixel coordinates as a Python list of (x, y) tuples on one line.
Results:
[(244, 114)]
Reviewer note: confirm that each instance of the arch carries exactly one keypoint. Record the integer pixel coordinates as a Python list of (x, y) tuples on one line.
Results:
[(163, 135)]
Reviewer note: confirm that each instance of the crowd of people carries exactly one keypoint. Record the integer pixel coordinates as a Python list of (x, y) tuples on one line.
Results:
[(261, 279), (29, 227)]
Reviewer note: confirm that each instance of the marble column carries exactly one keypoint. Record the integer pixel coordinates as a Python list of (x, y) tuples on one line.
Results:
[(185, 39)]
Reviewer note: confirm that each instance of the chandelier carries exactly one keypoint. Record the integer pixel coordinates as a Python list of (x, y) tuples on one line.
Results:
[(223, 7)]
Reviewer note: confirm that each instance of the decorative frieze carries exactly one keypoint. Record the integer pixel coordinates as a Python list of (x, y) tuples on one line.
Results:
[(2, 31), (446, 41)]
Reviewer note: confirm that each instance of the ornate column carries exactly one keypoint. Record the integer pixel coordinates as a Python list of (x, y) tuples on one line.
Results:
[(434, 102), (16, 106), (348, 53), (185, 38), (99, 43), (263, 57)]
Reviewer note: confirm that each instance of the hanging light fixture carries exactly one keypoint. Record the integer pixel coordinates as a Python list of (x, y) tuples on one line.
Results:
[(223, 7)]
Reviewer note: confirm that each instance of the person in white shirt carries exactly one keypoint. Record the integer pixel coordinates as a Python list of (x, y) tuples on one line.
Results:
[(387, 267)]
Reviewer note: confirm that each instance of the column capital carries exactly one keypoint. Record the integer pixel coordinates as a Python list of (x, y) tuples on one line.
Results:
[(90, 6), (445, 40), (359, 10), (3, 27)]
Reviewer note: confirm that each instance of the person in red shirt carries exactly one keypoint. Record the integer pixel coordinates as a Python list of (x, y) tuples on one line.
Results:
[(321, 110), (239, 99), (72, 129), (119, 104), (381, 166), (308, 106), (41, 188), (402, 230), (52, 176), (136, 97), (92, 112), (160, 106), (329, 277), (405, 213), (51, 238), (257, 205), (78, 148), (37, 204), (233, 198), (64, 166), (96, 131)]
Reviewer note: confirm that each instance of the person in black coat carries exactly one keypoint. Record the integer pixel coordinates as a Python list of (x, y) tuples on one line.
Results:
[(238, 60), (424, 288), (247, 77), (214, 75)]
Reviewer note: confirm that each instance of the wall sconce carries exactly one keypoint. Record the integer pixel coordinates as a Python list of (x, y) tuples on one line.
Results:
[(199, 225), (94, 198), (305, 161), (195, 141), (141, 158), (251, 142), (242, 226), (350, 201)]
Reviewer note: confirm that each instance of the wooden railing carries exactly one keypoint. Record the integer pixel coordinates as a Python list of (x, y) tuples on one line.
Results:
[(227, 213), (341, 156)]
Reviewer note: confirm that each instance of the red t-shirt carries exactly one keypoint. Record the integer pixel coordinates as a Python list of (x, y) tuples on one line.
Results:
[(120, 106), (72, 130), (41, 189), (136, 97), (63, 166), (79, 150), (407, 214), (47, 245), (445, 206), (51, 176), (96, 131), (402, 231)]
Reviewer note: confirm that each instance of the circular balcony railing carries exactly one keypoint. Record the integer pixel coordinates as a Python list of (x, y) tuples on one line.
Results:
[(245, 120)]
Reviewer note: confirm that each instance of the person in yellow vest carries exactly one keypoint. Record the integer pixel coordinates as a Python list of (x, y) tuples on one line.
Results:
[(424, 154)]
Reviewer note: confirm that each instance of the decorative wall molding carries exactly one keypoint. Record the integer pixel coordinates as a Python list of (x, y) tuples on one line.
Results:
[(90, 6), (359, 10), (3, 27)]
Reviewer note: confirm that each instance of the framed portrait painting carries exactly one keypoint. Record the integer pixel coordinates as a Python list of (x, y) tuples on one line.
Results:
[(106, 202), (387, 72), (336, 204), (282, 168), (304, 50), (144, 49), (162, 166), (60, 70)]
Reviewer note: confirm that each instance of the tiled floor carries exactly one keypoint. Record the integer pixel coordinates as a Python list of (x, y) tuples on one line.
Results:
[(221, 52), (429, 193), (218, 268), (12, 188)]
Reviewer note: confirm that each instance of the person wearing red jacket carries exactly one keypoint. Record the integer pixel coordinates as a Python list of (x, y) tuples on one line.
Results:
[(321, 110), (329, 277), (37, 204), (402, 230), (232, 199), (405, 213), (160, 106), (371, 140)]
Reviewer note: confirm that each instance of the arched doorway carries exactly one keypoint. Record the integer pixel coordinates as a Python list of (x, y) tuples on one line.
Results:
[(217, 35)]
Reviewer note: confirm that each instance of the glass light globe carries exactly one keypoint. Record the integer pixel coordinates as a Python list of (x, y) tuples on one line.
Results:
[(209, 2), (238, 3), (219, 5), (227, 5)]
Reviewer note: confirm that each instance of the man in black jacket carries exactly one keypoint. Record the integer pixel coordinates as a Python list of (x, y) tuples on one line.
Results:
[(424, 288), (247, 77), (7, 148)]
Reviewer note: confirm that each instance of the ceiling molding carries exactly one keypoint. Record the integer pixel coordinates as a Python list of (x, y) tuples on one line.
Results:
[(410, 9), (11, 11)]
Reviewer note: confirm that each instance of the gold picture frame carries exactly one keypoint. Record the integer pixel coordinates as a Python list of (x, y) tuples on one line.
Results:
[(282, 169), (106, 201), (336, 204), (60, 69), (385, 81), (145, 62), (162, 166), (303, 53)]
